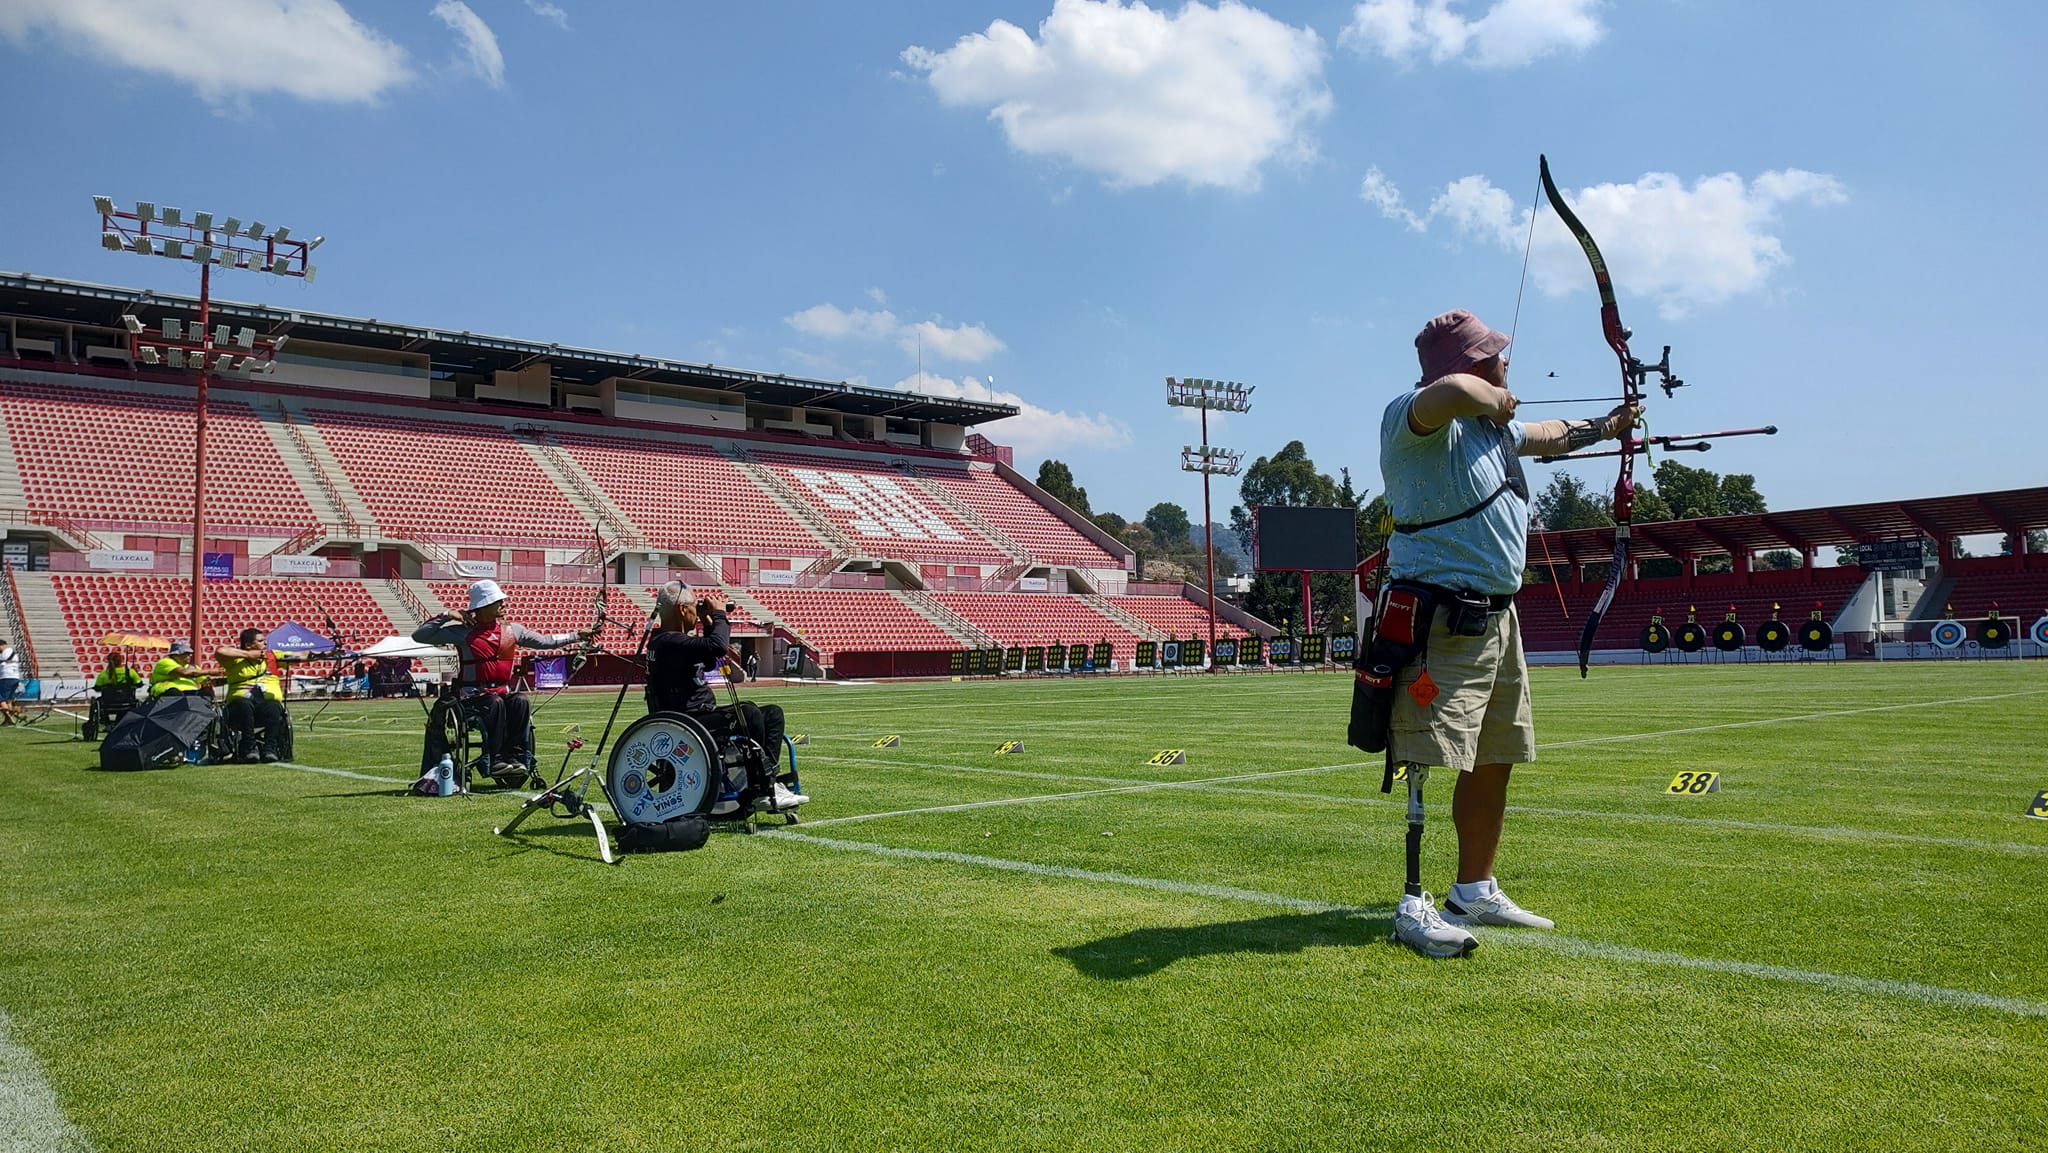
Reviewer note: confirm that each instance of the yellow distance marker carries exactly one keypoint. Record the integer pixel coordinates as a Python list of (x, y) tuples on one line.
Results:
[(1008, 747), (889, 742), (1691, 784), (1169, 757), (800, 739), (2039, 809)]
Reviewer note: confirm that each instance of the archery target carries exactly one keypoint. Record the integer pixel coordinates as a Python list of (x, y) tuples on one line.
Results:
[(1994, 633), (1773, 636), (2040, 632), (1948, 635), (1656, 639), (1816, 636), (1692, 637), (1729, 636)]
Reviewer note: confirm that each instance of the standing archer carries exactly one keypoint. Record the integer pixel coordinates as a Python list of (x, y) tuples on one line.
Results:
[(1450, 458)]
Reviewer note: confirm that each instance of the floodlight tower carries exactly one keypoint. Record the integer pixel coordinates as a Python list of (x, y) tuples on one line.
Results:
[(1223, 396), (150, 231)]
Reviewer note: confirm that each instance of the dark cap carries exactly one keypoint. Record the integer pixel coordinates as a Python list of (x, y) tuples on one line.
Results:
[(1454, 342)]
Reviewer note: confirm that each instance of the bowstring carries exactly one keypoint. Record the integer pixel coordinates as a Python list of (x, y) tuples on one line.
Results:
[(1515, 326)]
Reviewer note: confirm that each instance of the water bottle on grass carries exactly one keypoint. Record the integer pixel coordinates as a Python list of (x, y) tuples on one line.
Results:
[(444, 775)]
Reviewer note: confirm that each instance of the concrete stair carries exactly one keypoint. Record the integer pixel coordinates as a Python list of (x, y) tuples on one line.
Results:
[(1102, 605), (945, 618), (403, 618), (306, 444), (12, 494), (795, 505), (42, 618), (1018, 554), (581, 492)]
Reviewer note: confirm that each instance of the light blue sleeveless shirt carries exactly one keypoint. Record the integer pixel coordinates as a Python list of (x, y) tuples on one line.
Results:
[(1443, 474)]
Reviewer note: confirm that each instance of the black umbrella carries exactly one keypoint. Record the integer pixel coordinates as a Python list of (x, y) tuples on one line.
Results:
[(157, 732)]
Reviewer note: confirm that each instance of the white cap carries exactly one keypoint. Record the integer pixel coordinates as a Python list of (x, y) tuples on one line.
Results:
[(483, 593)]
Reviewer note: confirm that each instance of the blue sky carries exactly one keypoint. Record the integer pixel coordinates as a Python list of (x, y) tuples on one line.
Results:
[(1831, 211)]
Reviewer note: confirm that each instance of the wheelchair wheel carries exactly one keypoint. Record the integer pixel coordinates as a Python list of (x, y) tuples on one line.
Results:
[(282, 742), (664, 766)]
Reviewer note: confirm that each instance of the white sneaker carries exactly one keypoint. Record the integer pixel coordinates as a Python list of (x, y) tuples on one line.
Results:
[(785, 798), (1418, 925), (1493, 909)]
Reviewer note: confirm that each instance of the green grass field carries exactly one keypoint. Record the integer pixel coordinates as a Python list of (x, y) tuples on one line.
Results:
[(1845, 948)]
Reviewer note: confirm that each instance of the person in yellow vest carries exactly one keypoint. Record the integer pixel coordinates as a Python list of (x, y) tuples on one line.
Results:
[(255, 699), (117, 686), (176, 673)]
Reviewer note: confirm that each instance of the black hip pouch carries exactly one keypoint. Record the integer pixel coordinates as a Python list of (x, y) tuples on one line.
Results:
[(1466, 614), (1399, 634)]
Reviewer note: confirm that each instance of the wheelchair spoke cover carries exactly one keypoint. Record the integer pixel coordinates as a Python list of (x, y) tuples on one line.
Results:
[(663, 767)]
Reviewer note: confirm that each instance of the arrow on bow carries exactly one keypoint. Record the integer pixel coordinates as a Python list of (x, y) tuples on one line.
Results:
[(1635, 375)]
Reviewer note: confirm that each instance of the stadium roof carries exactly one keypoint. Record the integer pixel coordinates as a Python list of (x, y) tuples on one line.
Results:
[(78, 302), (2011, 512)]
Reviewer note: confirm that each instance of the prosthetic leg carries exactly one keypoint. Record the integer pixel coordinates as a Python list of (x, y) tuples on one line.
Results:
[(1417, 775)]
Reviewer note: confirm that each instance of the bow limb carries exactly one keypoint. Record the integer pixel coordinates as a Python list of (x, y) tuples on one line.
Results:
[(1632, 374)]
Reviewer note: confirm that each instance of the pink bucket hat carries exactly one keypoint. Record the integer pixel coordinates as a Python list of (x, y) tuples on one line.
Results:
[(1454, 342)]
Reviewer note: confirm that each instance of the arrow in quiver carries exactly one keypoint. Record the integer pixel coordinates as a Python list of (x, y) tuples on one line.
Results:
[(1775, 634), (1729, 637), (1691, 636), (1992, 632), (1817, 634), (1655, 637)]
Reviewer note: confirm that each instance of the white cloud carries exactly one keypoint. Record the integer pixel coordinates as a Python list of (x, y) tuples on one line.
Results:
[(1204, 95), (1510, 34), (878, 296), (1682, 247), (310, 49), (479, 43), (968, 342), (549, 12), (1034, 430)]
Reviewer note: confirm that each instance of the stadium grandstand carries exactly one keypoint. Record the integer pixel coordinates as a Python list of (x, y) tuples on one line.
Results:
[(382, 467), (1862, 607)]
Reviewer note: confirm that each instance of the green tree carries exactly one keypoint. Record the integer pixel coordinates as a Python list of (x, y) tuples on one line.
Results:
[(1691, 493), (1058, 480), (1108, 522), (1739, 496), (1169, 525), (1568, 504), (1289, 477), (1779, 558)]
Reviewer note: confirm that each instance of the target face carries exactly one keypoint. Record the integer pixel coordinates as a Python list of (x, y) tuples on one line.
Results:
[(1729, 636), (1773, 636), (1816, 636), (2040, 632), (1948, 635), (1691, 637), (1655, 639), (1993, 634)]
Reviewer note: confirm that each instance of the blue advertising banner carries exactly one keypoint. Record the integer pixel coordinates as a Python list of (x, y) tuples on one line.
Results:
[(218, 566), (550, 673)]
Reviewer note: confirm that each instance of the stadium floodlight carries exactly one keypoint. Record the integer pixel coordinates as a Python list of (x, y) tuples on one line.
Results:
[(1203, 395), (312, 270), (200, 344), (315, 243), (277, 344), (131, 322)]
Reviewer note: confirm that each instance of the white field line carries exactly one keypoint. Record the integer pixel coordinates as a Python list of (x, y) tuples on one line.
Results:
[(1225, 785), (1787, 720), (1550, 942), (1140, 787), (347, 773), (31, 1121)]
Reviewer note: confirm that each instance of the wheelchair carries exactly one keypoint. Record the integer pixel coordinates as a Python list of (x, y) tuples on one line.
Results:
[(668, 765), (106, 709), (455, 727), (220, 744)]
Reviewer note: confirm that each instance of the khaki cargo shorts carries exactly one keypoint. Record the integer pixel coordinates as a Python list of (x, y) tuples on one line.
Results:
[(1481, 713)]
